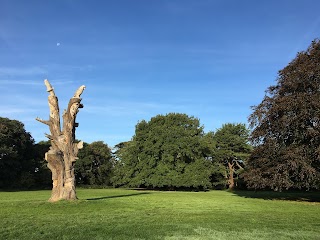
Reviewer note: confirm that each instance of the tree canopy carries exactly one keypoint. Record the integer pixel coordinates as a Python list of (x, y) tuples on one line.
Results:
[(17, 165), (286, 128), (95, 164), (42, 173), (167, 152), (232, 150)]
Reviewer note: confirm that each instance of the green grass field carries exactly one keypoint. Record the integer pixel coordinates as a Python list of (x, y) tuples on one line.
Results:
[(132, 214)]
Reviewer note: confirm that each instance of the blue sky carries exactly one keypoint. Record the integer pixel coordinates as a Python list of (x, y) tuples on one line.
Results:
[(139, 58)]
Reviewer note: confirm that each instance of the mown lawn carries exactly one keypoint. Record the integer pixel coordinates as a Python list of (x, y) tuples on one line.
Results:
[(132, 214)]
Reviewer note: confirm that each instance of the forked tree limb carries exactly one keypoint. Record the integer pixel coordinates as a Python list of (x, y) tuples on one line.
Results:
[(239, 166), (64, 150)]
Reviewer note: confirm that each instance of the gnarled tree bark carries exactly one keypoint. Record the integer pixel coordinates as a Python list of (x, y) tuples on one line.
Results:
[(63, 152)]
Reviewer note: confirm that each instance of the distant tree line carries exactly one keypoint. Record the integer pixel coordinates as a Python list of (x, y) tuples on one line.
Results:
[(168, 152), (280, 151)]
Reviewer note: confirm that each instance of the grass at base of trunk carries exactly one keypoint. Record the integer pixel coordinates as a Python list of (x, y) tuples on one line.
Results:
[(131, 214)]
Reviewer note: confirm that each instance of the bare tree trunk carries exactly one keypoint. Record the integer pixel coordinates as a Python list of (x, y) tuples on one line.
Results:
[(63, 151), (231, 178)]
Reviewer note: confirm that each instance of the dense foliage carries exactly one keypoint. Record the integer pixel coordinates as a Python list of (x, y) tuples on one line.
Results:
[(95, 164), (166, 152), (42, 177), (22, 163), (232, 151), (17, 165), (286, 128)]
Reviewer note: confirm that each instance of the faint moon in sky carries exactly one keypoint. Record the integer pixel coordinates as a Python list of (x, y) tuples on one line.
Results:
[(58, 44)]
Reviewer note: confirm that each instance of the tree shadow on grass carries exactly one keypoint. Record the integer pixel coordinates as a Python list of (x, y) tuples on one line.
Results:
[(118, 196), (287, 195)]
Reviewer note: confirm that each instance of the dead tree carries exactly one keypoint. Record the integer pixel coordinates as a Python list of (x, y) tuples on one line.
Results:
[(63, 152)]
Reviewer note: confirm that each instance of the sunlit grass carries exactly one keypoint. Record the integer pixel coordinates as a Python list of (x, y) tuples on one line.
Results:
[(131, 214)]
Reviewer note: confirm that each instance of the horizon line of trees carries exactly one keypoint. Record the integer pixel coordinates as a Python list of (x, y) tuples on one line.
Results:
[(280, 151), (169, 152)]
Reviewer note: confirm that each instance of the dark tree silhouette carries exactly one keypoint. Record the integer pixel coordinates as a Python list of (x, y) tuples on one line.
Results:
[(286, 128), (17, 166)]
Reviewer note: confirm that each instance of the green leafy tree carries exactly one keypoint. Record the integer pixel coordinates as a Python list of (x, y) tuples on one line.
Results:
[(95, 164), (232, 151), (42, 172), (166, 152), (17, 165), (286, 128)]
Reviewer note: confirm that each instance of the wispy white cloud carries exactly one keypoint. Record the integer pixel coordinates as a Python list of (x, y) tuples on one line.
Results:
[(110, 139), (19, 82), (15, 71), (33, 82), (132, 108), (62, 74), (9, 110), (117, 110)]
